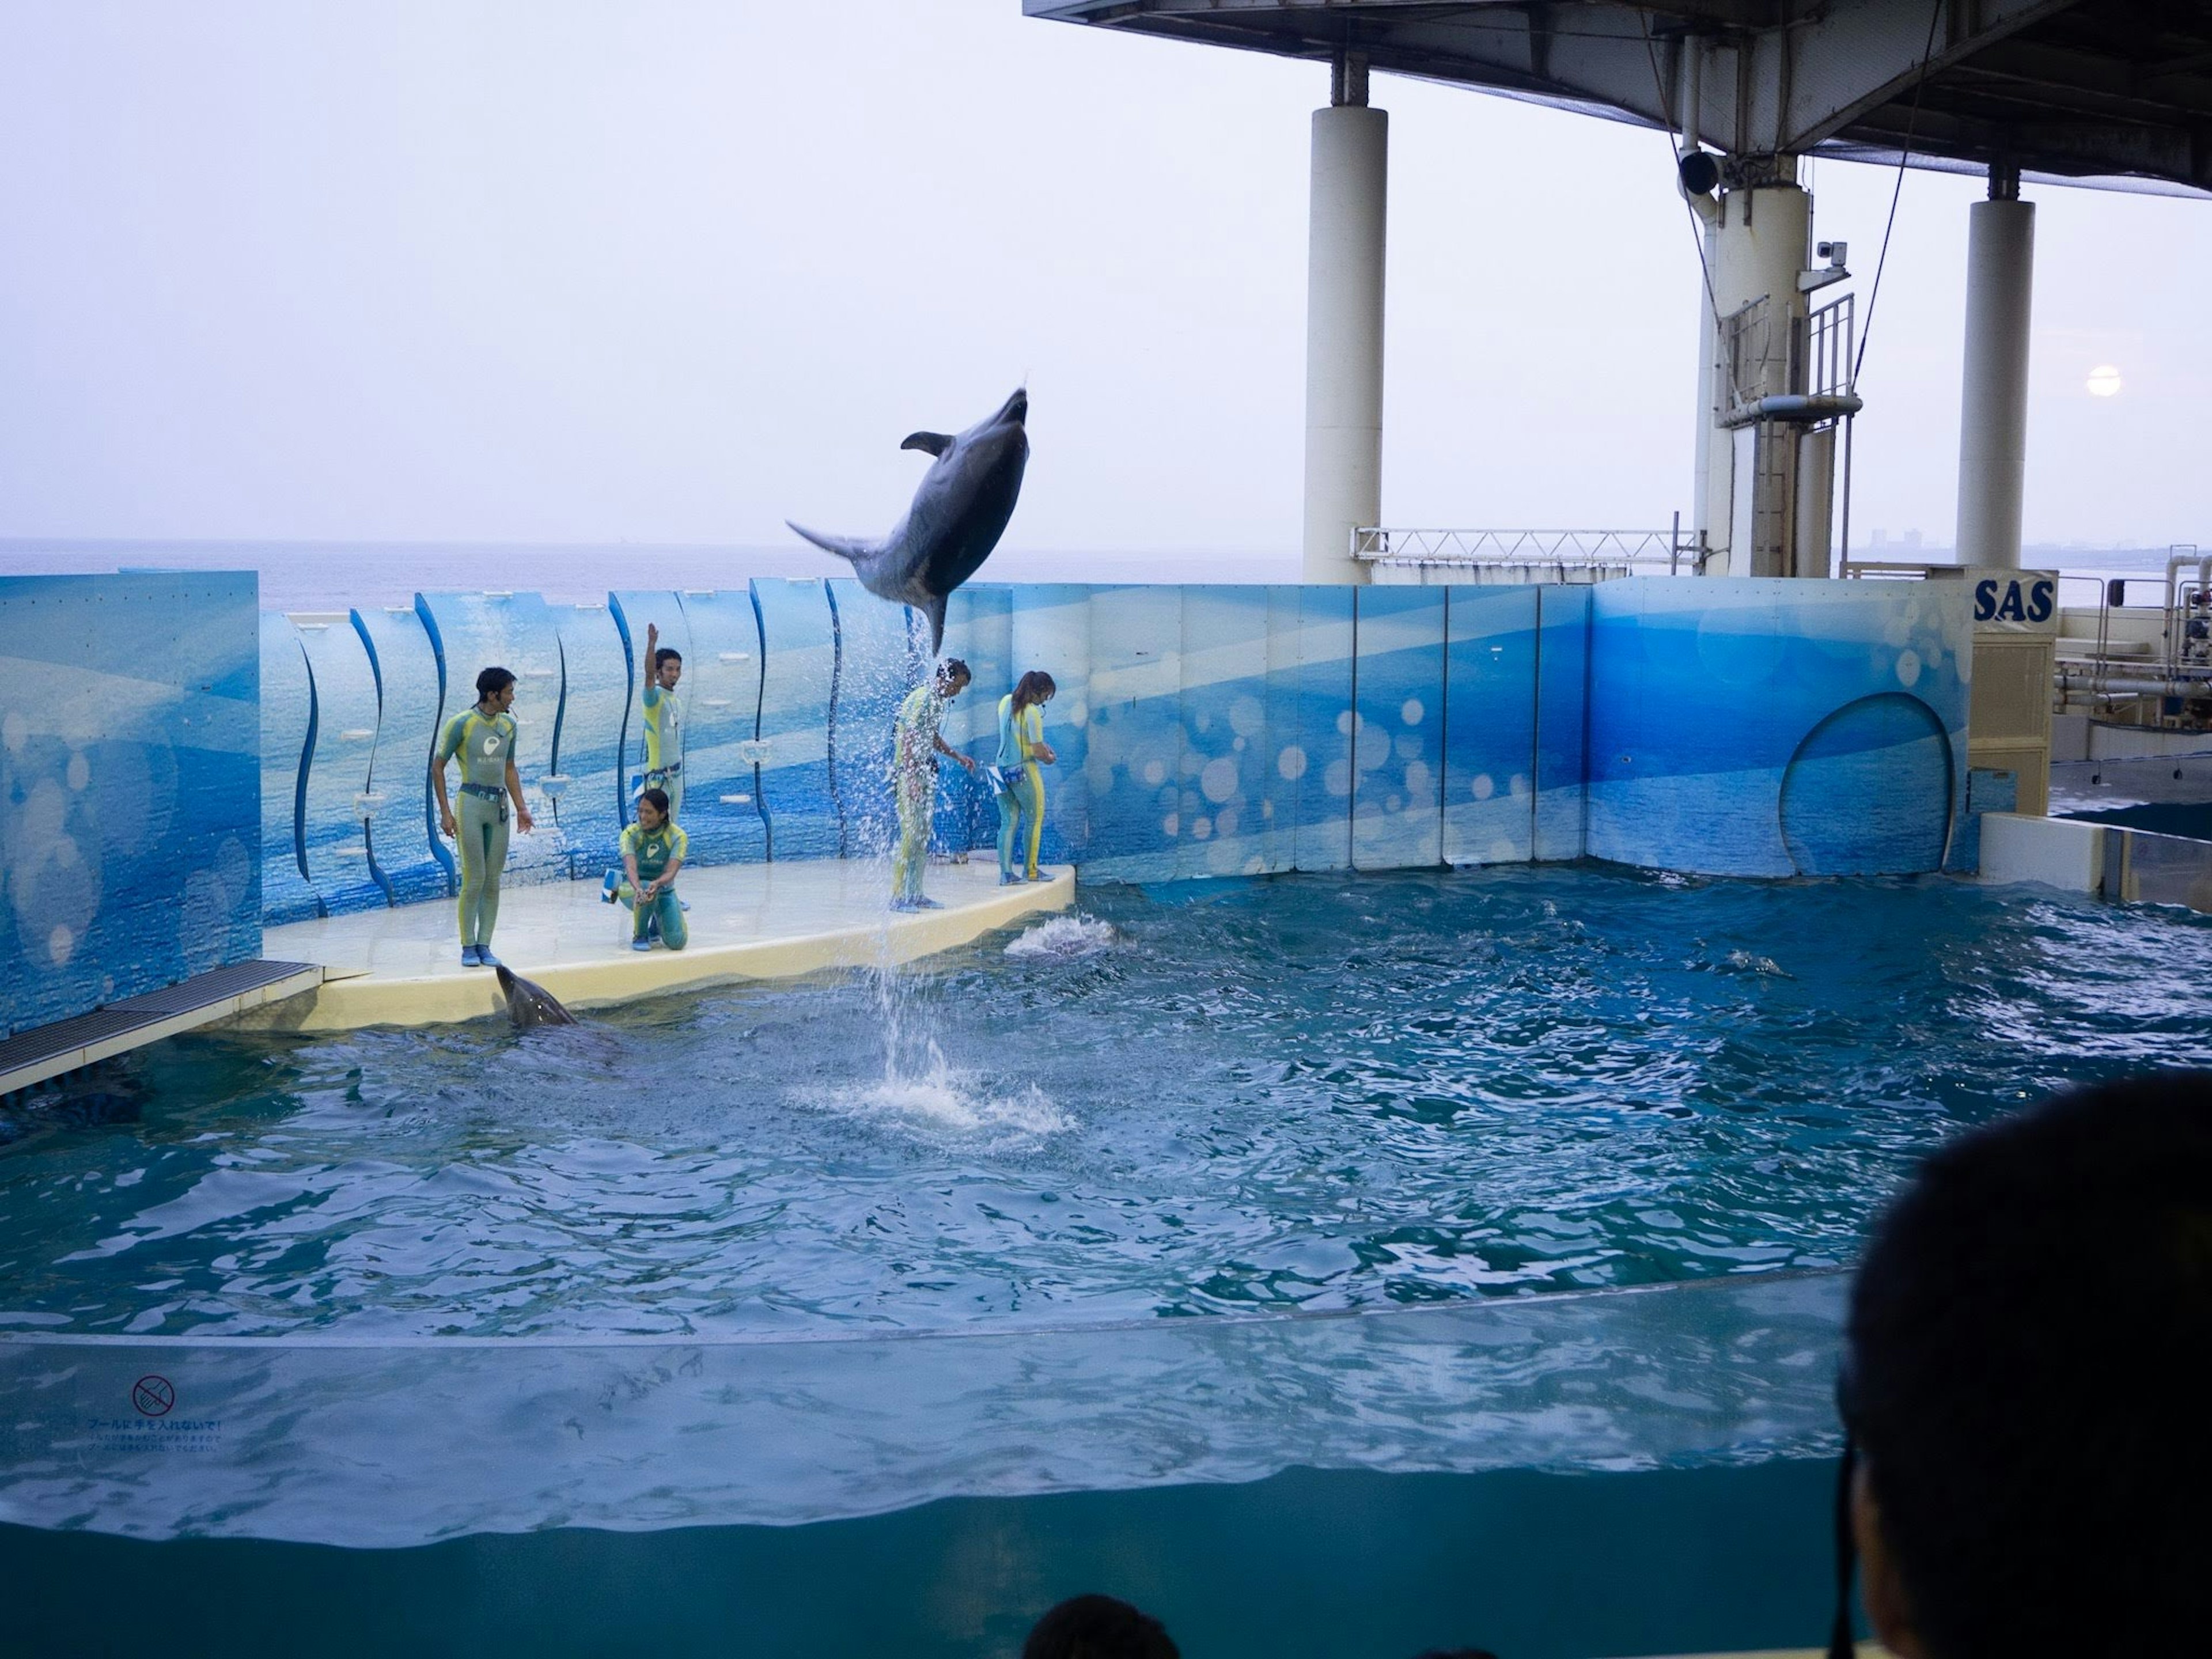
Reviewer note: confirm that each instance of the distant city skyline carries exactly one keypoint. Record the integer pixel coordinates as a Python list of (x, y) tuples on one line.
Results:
[(552, 272)]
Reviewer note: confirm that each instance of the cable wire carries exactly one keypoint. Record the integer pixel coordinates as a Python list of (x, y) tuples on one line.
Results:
[(1904, 156)]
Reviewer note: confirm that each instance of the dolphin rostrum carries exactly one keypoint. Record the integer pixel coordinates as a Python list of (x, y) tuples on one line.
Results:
[(529, 1005), (954, 522)]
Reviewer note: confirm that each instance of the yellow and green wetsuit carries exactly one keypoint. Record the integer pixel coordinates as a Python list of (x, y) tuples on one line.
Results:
[(485, 743), (914, 784), (663, 745), (655, 851), (1020, 784)]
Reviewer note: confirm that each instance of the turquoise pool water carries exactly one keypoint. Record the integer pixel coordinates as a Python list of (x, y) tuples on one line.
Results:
[(1309, 1092), (1341, 1265)]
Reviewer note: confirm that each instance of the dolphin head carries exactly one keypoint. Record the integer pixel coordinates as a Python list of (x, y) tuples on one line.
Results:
[(1015, 410), (506, 980)]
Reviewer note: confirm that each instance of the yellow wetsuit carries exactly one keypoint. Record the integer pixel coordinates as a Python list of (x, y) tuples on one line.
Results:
[(914, 785), (655, 851), (1020, 785), (485, 743), (663, 745)]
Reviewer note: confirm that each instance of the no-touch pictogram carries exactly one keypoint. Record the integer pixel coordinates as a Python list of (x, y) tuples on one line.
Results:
[(154, 1396)]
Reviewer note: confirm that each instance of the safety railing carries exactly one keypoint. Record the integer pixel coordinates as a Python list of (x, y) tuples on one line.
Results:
[(1583, 555)]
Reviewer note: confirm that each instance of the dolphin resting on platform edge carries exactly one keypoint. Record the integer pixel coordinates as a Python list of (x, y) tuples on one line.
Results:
[(529, 1005), (955, 517)]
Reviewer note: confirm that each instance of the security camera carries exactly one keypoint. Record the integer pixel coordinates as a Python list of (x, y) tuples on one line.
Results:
[(1834, 253)]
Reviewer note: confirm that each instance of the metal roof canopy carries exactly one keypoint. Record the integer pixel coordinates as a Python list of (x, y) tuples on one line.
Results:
[(2105, 89)]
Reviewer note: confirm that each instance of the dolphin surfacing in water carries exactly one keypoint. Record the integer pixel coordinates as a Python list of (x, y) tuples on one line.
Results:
[(529, 1005), (955, 517)]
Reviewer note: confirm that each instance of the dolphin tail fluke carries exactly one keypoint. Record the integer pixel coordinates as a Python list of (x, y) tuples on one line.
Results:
[(845, 547), (935, 612)]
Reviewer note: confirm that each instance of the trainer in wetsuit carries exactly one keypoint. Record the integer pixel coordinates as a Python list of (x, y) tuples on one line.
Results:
[(483, 738), (652, 851), (1016, 780), (915, 750), (663, 720)]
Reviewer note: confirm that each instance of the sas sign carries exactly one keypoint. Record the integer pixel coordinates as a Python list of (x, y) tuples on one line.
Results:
[(2015, 598)]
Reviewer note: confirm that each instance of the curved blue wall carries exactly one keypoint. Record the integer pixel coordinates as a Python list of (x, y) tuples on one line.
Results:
[(798, 678), (131, 833), (408, 860), (1736, 727), (722, 813)]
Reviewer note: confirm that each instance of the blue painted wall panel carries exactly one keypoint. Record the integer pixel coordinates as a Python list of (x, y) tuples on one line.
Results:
[(129, 806), (721, 690), (1317, 760), (513, 631), (1227, 761), (585, 783), (1490, 726), (1281, 773), (1563, 712), (1051, 630), (800, 654), (979, 630), (1143, 802), (1742, 727), (878, 664), (287, 731), (338, 777), (1397, 807), (406, 856)]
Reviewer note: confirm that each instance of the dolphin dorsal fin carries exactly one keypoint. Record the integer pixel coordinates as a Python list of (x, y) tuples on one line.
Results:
[(935, 442)]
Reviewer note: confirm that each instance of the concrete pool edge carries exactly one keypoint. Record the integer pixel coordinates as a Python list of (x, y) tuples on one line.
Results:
[(836, 918)]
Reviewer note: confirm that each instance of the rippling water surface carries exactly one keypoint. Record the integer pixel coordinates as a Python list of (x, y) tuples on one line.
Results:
[(1311, 1091)]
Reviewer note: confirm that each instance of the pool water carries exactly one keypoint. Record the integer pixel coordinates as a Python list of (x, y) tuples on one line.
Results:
[(1309, 1092)]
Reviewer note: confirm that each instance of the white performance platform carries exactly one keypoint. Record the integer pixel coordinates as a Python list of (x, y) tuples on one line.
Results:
[(402, 967)]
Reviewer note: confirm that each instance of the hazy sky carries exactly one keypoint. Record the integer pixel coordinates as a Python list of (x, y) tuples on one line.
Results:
[(670, 272)]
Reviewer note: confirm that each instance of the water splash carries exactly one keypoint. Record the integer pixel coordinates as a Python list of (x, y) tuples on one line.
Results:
[(1066, 937), (939, 1095)]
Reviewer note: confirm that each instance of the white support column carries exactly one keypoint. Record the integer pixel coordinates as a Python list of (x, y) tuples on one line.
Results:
[(1344, 326), (1993, 404), (1757, 240)]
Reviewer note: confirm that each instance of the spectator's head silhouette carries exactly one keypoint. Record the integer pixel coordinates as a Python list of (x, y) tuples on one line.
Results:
[(1098, 1627), (2027, 1386)]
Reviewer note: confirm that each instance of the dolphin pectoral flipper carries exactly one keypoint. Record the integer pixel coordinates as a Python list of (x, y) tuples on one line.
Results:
[(935, 442), (934, 608), (845, 547)]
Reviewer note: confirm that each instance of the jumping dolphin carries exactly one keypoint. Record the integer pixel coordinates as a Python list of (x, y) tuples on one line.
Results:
[(529, 1005), (954, 522)]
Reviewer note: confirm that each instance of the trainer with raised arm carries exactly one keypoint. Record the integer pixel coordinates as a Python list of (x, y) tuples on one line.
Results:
[(663, 720), (482, 738)]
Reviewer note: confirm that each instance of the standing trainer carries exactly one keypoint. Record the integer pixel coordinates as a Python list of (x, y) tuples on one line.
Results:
[(663, 720), (916, 746), (483, 738)]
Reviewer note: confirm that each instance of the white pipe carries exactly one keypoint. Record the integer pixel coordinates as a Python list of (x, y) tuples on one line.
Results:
[(2075, 679), (1993, 402), (1802, 406), (1344, 336)]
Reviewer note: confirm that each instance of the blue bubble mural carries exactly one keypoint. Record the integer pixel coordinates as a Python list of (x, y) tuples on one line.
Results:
[(1736, 727), (130, 786)]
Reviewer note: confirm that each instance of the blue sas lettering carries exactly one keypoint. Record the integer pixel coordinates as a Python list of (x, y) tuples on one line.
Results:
[(2004, 601)]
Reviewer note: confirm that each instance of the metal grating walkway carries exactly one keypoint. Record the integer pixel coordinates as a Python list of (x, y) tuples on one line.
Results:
[(48, 1051)]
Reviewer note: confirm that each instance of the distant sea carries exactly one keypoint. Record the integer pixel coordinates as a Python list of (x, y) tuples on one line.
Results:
[(336, 575)]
